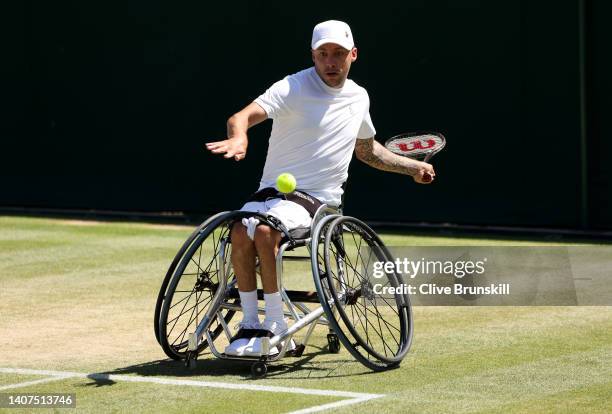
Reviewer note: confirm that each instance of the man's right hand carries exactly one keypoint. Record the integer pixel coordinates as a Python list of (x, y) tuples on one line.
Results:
[(425, 173), (234, 147)]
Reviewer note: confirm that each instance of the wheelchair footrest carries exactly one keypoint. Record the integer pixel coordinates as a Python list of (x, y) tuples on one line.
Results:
[(294, 295)]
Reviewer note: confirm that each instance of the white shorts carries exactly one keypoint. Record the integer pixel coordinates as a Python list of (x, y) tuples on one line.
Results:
[(292, 215)]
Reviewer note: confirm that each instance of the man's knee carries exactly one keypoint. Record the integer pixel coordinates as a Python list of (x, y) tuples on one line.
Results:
[(239, 236), (266, 237)]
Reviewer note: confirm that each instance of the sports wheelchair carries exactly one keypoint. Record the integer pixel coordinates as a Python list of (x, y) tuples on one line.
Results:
[(199, 296)]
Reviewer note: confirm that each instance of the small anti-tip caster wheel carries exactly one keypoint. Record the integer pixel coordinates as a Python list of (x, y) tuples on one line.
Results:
[(333, 343), (259, 369), (299, 350)]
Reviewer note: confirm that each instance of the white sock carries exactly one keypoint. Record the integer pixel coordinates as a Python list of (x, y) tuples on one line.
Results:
[(248, 301), (274, 307)]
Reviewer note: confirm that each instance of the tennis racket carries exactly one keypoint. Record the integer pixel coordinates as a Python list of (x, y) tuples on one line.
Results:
[(417, 145)]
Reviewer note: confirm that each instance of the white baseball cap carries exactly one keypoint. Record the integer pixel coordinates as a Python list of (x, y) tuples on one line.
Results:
[(332, 31)]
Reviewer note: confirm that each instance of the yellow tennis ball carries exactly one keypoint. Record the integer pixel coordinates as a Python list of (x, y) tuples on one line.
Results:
[(286, 183)]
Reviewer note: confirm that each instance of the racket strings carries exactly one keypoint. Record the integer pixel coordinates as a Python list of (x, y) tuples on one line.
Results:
[(418, 146)]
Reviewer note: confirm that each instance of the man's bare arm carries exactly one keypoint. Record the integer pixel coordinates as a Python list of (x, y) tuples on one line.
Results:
[(237, 125), (375, 155)]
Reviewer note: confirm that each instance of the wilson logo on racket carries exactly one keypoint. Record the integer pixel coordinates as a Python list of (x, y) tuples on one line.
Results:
[(415, 145)]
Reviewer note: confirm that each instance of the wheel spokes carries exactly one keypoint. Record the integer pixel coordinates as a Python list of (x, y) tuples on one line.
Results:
[(375, 322), (196, 287)]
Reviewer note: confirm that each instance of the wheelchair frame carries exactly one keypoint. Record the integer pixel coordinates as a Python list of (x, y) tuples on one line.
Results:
[(302, 316)]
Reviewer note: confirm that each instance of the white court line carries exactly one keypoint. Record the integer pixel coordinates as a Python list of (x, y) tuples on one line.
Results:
[(33, 382), (336, 404), (353, 397)]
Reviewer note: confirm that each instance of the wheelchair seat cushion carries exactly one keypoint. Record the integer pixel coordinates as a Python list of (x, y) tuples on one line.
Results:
[(297, 234)]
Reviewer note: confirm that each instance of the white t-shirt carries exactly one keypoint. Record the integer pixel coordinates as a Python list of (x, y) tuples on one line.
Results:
[(313, 132)]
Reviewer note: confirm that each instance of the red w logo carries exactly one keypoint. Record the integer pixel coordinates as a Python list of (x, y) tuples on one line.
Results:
[(416, 145)]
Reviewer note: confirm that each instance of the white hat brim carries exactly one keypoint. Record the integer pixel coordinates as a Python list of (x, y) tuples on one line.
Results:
[(345, 43)]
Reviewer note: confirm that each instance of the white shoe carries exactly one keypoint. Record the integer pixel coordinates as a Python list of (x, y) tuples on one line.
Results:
[(269, 329), (245, 336)]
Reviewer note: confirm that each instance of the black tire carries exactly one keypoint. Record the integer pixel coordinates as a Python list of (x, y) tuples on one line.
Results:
[(333, 343), (188, 293), (259, 369), (376, 330)]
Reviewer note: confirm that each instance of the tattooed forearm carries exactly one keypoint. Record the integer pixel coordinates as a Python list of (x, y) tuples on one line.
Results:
[(375, 155)]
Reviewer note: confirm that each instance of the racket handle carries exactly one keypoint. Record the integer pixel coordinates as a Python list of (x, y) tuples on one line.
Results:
[(428, 156)]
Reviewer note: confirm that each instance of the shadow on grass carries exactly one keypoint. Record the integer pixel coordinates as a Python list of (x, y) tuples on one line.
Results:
[(287, 368)]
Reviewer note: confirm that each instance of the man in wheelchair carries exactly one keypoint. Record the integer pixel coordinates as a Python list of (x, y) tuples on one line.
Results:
[(319, 117)]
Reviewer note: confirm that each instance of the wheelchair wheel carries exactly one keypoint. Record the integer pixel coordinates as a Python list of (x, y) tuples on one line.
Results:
[(191, 283), (172, 268), (375, 329)]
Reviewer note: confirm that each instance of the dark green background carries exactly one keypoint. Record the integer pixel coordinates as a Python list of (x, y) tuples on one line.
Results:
[(106, 105)]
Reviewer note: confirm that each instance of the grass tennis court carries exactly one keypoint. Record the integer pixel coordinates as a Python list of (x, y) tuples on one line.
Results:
[(77, 297)]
